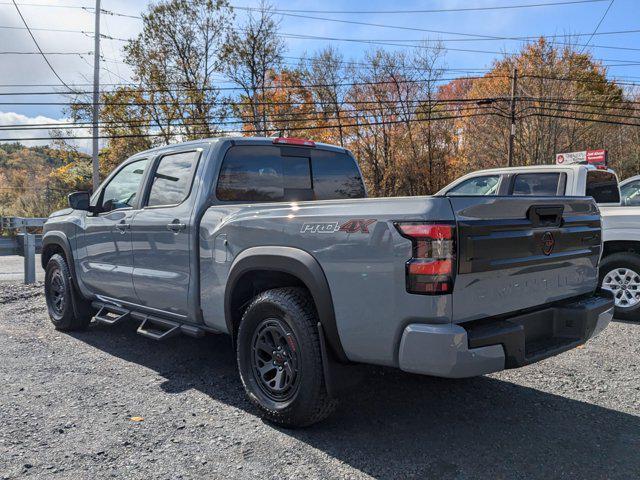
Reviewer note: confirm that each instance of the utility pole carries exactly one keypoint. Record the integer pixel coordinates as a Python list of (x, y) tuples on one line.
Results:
[(512, 132), (96, 97)]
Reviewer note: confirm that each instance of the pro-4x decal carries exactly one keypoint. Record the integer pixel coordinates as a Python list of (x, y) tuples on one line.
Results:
[(356, 225)]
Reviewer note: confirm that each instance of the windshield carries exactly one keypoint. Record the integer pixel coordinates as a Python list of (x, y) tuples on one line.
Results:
[(630, 193)]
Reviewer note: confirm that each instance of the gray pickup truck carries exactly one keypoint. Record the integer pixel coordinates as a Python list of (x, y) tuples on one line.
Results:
[(274, 242)]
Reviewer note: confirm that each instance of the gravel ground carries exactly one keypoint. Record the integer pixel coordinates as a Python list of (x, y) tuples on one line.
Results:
[(68, 408)]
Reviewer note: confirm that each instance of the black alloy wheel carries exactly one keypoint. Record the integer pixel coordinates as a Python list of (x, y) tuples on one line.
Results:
[(275, 359)]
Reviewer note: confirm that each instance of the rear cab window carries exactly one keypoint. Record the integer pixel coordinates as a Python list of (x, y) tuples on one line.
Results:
[(540, 184), (264, 173), (602, 186)]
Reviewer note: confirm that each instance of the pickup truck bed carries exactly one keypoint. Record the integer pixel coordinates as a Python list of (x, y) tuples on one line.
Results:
[(443, 286)]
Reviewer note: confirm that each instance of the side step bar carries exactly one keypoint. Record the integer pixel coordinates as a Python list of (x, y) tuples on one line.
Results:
[(158, 328), (152, 327), (111, 315)]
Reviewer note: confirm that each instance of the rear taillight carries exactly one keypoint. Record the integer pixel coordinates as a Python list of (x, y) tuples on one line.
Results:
[(432, 266)]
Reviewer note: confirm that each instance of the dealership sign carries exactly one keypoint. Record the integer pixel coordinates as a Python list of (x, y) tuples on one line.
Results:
[(593, 157)]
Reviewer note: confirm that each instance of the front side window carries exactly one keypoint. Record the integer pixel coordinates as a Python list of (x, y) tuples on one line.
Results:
[(538, 184), (630, 193), (477, 186), (602, 186), (172, 179), (122, 189)]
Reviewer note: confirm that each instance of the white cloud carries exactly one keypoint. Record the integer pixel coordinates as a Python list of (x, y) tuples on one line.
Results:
[(16, 120)]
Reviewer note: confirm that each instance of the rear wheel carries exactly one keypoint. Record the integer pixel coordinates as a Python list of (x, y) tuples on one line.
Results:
[(620, 274), (67, 310), (279, 358)]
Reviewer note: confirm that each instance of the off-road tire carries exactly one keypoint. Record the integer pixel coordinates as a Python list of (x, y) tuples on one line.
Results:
[(73, 312), (310, 403), (625, 260)]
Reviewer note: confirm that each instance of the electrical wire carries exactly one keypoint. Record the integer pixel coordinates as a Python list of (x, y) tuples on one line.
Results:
[(38, 47), (433, 10), (245, 131), (598, 25)]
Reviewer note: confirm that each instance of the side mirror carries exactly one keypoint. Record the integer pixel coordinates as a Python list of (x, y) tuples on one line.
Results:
[(79, 200)]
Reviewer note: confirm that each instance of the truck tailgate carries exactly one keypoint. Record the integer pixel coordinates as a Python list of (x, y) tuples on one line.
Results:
[(515, 253)]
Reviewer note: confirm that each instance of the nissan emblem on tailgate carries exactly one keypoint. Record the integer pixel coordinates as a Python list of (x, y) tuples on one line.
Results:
[(548, 242)]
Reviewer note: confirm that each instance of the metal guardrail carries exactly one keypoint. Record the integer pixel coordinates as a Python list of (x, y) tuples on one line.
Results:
[(23, 243)]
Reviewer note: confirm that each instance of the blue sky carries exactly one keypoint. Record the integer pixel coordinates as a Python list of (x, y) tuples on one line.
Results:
[(548, 20)]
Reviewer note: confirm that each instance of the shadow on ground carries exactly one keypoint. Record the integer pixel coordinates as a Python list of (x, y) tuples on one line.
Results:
[(401, 426)]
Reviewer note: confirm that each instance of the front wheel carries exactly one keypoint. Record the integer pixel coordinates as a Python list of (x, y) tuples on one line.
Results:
[(620, 274), (279, 358), (67, 310)]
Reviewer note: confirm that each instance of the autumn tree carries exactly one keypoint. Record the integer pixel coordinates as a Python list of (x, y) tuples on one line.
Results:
[(252, 55), (175, 60), (564, 99)]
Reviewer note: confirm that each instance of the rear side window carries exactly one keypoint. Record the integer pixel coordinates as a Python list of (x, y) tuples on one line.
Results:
[(602, 186), (485, 185), (252, 173), (335, 175), (172, 179), (538, 184)]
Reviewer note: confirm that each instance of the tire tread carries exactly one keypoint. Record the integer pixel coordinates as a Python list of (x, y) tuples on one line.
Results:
[(293, 299)]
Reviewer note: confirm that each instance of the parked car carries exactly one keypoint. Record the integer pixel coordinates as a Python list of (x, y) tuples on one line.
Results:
[(630, 191), (620, 263), (274, 242)]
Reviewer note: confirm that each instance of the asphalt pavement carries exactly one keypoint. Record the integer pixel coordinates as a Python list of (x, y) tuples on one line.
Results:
[(109, 403)]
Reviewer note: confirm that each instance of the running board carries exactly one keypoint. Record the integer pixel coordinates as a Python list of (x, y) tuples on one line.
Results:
[(152, 327), (111, 315)]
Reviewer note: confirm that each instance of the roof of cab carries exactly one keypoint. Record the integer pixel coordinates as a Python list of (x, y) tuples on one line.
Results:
[(573, 166), (237, 139)]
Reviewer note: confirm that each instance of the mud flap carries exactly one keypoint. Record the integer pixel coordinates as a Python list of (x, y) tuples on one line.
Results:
[(79, 311), (339, 378)]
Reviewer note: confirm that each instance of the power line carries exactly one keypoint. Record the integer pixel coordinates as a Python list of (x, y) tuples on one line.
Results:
[(48, 5), (269, 87), (398, 27), (45, 53), (180, 89), (58, 30), (432, 10), (245, 131), (380, 108), (38, 47), (598, 25), (313, 116), (240, 103), (118, 14), (310, 37), (580, 119), (587, 112), (473, 36)]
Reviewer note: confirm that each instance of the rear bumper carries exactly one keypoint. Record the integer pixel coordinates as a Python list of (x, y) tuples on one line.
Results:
[(490, 345)]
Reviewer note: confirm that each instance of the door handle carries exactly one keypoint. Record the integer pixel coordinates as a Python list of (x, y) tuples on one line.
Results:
[(176, 226), (123, 227)]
